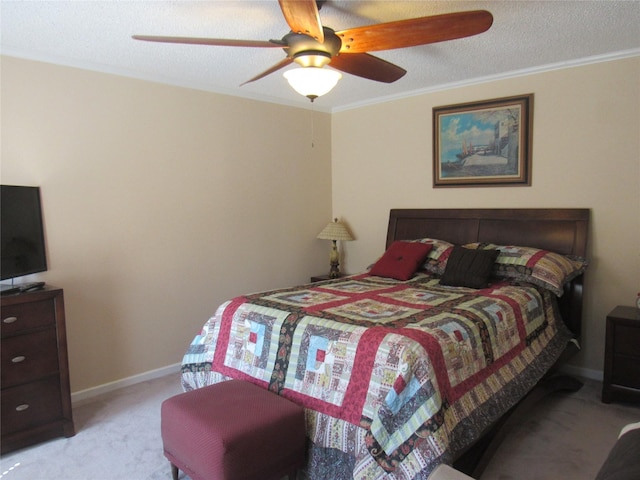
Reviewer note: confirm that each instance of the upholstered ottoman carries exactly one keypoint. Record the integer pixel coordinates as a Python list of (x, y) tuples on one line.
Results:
[(233, 430)]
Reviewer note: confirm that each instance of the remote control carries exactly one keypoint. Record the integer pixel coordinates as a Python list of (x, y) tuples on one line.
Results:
[(29, 287)]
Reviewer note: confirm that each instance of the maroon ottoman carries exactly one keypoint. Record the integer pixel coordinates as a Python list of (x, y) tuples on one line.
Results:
[(233, 430)]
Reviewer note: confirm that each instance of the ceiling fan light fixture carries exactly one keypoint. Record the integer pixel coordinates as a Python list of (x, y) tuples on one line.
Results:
[(312, 82), (312, 59)]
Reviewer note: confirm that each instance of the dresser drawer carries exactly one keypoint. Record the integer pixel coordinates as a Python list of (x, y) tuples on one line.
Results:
[(22, 317), (29, 357), (31, 405), (626, 372), (627, 341)]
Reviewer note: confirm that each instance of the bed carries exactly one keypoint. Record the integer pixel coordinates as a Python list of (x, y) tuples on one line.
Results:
[(400, 375)]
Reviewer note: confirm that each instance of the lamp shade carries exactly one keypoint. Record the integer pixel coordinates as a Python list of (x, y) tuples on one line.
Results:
[(335, 231), (312, 82)]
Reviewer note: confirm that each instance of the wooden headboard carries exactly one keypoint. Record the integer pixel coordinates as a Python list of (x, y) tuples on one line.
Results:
[(561, 230)]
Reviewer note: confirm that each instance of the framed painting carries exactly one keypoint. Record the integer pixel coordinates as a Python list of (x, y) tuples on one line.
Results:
[(486, 143)]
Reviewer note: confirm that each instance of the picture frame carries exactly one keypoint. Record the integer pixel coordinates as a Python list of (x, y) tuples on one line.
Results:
[(485, 143)]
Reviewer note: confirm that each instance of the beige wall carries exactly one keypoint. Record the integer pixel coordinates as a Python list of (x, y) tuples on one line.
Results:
[(586, 153), (159, 204)]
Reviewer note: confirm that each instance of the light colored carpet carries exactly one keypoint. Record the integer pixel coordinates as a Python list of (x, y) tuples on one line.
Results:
[(567, 436), (118, 437)]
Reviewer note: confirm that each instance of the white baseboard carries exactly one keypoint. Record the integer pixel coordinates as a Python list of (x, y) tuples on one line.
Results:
[(583, 372), (89, 393)]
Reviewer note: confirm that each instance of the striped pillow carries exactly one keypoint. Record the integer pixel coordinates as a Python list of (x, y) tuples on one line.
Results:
[(532, 265), (436, 261)]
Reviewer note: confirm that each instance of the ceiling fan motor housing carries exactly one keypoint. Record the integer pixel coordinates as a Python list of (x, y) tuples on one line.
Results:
[(308, 52)]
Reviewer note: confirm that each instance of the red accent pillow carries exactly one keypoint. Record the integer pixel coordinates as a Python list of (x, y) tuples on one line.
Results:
[(401, 260)]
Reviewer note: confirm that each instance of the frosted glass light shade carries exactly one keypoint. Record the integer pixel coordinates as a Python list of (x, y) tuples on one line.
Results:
[(312, 82)]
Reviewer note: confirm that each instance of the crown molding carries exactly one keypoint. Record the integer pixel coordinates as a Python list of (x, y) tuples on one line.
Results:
[(298, 104), (492, 78)]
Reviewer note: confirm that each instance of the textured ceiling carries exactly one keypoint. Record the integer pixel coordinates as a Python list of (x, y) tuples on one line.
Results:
[(526, 36)]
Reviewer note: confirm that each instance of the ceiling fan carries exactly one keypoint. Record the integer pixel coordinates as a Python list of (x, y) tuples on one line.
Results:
[(313, 46)]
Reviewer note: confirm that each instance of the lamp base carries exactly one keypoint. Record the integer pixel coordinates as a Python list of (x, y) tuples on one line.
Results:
[(334, 272), (334, 261)]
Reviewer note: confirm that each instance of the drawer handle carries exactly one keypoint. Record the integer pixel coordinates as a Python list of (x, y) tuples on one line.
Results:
[(22, 408), (10, 319), (18, 359)]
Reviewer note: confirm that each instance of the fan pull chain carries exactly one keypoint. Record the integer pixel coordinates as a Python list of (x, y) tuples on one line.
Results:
[(313, 130)]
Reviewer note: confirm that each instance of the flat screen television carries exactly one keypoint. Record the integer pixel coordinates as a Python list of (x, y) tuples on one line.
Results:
[(22, 247)]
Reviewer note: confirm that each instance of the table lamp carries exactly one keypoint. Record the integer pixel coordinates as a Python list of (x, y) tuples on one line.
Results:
[(335, 231)]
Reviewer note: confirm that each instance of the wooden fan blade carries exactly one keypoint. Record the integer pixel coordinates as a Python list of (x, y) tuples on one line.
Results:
[(368, 66), (302, 17), (281, 64), (222, 42), (414, 31)]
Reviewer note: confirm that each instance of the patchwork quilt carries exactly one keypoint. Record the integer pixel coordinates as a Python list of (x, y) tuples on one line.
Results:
[(390, 368)]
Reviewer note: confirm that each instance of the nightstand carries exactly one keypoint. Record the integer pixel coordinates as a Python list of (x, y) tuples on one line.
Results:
[(622, 355), (321, 278)]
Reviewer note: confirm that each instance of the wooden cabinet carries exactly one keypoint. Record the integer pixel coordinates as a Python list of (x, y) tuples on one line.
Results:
[(322, 278), (622, 355), (36, 399)]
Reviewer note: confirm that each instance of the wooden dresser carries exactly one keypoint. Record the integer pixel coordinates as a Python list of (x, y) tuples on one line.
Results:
[(36, 399)]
